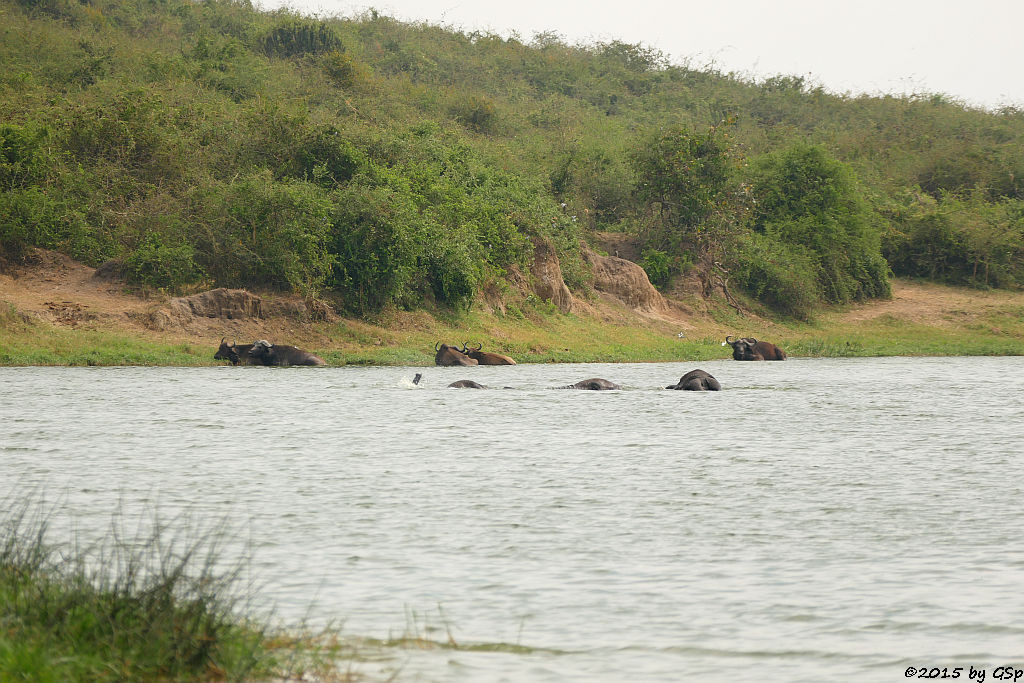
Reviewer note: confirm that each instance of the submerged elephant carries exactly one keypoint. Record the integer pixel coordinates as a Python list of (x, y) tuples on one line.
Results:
[(697, 380), (748, 348), (592, 384)]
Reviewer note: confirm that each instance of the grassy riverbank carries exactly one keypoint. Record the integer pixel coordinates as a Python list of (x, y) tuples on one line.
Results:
[(137, 607), (921, 320)]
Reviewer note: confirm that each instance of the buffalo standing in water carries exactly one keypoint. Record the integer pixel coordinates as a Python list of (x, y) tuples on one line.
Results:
[(265, 353), (448, 356), (466, 384), (697, 380), (485, 357), (234, 353), (748, 348), (592, 384)]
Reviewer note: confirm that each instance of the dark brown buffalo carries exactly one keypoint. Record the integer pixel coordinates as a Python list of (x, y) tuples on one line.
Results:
[(282, 355), (592, 384), (466, 384), (486, 357), (748, 348), (448, 356), (236, 353), (697, 380)]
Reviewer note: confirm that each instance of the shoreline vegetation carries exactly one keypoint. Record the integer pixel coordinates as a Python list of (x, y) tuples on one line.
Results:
[(541, 336), (163, 600), (151, 604), (418, 181)]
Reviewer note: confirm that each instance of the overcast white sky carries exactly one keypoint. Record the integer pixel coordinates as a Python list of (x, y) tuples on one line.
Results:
[(972, 50)]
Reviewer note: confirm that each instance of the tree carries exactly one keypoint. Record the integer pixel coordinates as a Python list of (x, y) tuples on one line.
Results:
[(693, 207), (811, 202)]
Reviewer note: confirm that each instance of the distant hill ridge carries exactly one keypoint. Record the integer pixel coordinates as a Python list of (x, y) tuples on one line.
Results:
[(372, 163)]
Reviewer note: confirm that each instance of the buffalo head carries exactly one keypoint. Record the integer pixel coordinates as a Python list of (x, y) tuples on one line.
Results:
[(265, 353), (233, 352), (448, 356), (748, 348), (485, 357)]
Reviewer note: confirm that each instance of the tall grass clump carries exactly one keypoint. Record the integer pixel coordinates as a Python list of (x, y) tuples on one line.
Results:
[(148, 606)]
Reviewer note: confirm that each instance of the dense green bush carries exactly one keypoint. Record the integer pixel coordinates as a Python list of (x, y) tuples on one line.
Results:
[(376, 244), (407, 164), (476, 113), (809, 200), (34, 217), (782, 276), (23, 154), (960, 241), (265, 232), (658, 265), (160, 265), (296, 37)]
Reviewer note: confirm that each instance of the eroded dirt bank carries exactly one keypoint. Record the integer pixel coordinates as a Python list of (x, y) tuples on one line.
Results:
[(57, 291)]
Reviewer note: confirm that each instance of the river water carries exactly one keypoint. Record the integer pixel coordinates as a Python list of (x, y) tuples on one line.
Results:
[(818, 519)]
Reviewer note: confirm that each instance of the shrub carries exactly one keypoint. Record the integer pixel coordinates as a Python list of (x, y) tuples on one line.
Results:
[(658, 265), (782, 277), (300, 37), (341, 69), (161, 265), (451, 274), (23, 155), (476, 113), (374, 240), (33, 217), (265, 232), (808, 200), (960, 241)]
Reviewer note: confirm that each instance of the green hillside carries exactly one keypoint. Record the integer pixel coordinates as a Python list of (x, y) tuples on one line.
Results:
[(374, 163)]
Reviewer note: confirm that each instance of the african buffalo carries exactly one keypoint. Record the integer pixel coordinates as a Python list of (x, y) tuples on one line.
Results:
[(265, 353), (748, 348), (448, 356), (486, 357), (697, 380), (234, 352), (593, 384), (466, 384)]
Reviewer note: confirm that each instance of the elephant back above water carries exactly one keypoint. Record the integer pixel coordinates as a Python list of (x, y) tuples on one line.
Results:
[(748, 348), (697, 380)]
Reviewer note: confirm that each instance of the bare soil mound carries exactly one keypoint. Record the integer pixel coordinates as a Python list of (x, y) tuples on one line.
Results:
[(57, 289)]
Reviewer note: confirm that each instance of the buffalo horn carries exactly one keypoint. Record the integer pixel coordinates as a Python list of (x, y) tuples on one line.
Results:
[(437, 346)]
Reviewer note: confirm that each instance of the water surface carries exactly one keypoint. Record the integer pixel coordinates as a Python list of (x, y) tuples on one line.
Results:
[(818, 519)]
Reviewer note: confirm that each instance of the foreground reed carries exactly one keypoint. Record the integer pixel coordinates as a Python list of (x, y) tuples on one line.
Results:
[(153, 606)]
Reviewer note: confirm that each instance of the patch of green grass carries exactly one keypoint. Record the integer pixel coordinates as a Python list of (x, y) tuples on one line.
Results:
[(142, 607), (24, 341)]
